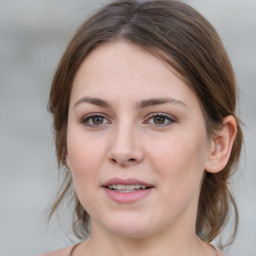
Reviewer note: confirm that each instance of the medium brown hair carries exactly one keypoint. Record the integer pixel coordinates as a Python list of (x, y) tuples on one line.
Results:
[(180, 36)]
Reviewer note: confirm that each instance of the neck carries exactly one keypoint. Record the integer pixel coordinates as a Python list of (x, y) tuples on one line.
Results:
[(171, 244)]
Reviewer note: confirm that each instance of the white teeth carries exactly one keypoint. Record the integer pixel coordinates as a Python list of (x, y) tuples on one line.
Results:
[(126, 188)]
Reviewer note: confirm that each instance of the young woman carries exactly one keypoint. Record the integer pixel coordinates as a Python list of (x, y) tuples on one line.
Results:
[(143, 102)]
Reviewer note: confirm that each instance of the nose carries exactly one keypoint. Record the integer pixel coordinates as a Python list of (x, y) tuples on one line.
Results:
[(125, 148)]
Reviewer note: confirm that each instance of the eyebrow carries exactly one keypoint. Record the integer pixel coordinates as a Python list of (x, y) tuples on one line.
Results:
[(158, 101), (139, 105), (94, 101)]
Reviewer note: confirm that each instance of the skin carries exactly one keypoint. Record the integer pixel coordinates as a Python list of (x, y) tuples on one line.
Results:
[(165, 145)]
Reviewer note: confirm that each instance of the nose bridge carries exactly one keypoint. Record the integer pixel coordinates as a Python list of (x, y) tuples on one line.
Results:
[(125, 147)]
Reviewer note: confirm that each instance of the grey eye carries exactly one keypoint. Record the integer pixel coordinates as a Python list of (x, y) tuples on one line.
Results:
[(94, 120), (160, 120)]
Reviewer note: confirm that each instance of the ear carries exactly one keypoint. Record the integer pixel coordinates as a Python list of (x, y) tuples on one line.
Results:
[(221, 145)]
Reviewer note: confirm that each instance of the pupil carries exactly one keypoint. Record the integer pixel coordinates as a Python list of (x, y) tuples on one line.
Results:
[(159, 119), (97, 120)]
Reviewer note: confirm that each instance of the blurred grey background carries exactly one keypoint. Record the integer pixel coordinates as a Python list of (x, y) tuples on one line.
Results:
[(33, 35)]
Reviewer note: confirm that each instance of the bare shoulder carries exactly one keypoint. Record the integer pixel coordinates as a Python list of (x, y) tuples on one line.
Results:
[(61, 252)]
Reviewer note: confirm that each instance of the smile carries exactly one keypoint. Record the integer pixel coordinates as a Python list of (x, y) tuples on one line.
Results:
[(127, 191), (126, 188)]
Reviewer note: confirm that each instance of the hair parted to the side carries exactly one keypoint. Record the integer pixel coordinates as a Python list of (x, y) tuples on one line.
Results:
[(180, 36)]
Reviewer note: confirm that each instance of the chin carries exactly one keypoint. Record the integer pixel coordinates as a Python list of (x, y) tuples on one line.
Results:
[(130, 233), (130, 227)]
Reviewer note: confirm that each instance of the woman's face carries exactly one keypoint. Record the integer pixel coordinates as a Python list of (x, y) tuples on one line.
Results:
[(132, 121)]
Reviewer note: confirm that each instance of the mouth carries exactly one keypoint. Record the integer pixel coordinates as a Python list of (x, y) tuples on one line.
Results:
[(120, 188), (127, 190)]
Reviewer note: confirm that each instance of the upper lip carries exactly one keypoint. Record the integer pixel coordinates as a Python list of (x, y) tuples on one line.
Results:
[(130, 181)]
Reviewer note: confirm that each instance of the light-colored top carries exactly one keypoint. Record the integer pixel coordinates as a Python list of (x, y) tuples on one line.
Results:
[(61, 252), (67, 252), (220, 253)]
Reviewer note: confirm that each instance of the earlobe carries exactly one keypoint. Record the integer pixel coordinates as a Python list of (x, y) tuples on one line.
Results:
[(221, 145)]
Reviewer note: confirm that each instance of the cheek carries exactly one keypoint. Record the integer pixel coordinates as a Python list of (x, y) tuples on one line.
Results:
[(179, 161), (85, 158), (85, 163)]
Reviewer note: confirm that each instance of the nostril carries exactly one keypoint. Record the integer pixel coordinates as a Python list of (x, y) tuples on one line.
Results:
[(130, 160), (123, 160)]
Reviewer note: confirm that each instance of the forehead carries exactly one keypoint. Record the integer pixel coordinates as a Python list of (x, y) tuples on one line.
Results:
[(118, 57), (121, 69)]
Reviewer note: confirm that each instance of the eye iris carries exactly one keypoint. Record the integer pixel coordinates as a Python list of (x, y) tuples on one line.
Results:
[(159, 119), (97, 120)]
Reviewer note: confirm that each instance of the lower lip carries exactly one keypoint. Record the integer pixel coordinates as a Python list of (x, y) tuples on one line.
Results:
[(130, 197)]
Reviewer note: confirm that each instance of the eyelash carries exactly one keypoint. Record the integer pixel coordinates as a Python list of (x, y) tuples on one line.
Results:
[(85, 120), (167, 118), (89, 118)]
